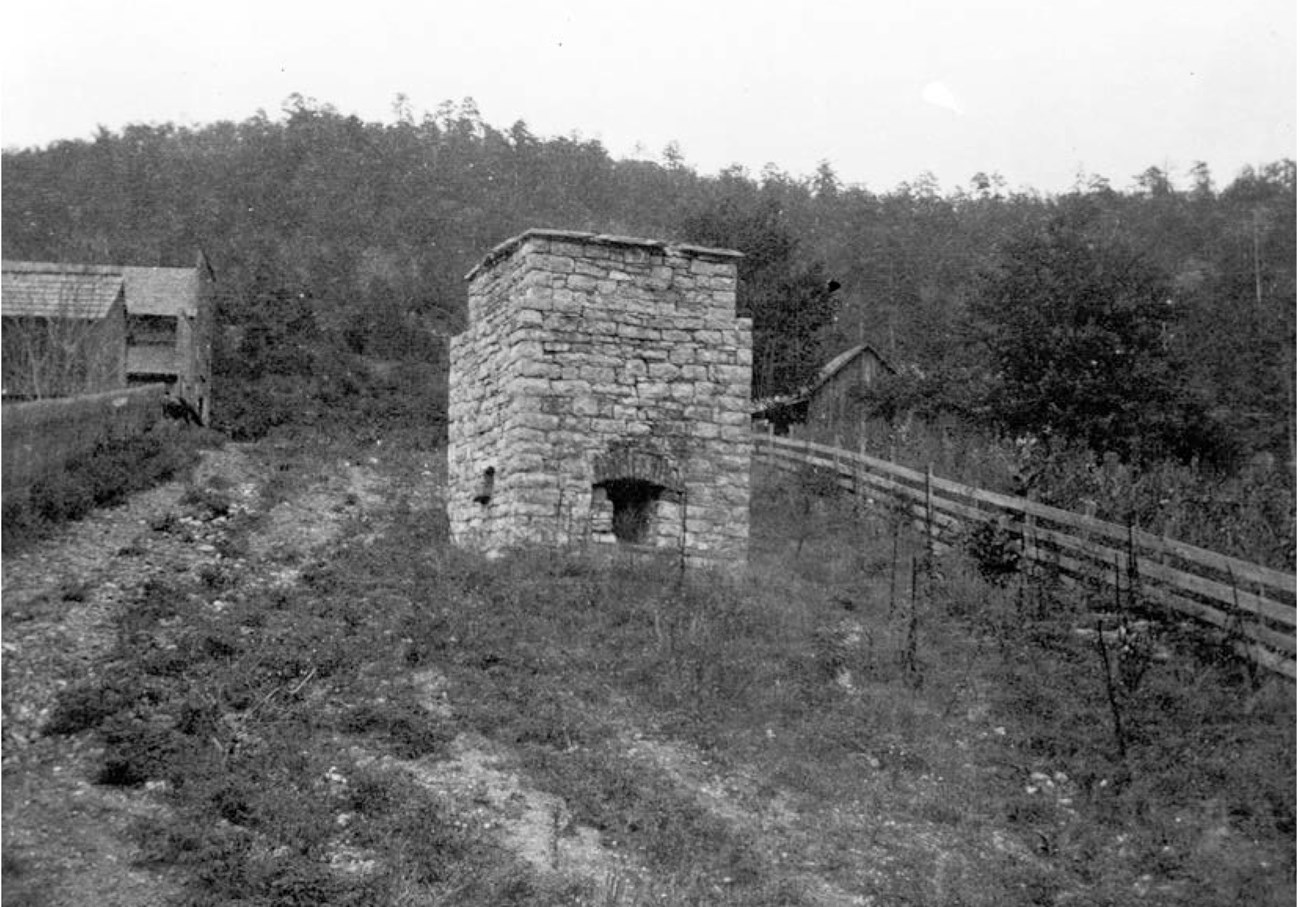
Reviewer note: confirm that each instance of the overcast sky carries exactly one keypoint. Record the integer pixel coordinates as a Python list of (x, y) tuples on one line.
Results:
[(1038, 90)]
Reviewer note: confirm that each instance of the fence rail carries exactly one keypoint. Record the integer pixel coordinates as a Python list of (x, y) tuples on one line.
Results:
[(1253, 606)]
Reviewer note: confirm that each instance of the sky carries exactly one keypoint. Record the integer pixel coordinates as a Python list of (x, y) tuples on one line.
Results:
[(1041, 92)]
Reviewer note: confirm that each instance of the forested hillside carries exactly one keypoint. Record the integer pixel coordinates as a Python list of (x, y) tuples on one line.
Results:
[(1153, 320)]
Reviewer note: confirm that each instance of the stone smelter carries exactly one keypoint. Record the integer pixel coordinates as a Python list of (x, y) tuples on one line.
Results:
[(600, 393)]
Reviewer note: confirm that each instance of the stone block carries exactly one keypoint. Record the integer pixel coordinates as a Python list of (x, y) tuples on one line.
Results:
[(559, 264), (524, 387), (537, 368), (539, 421), (594, 373)]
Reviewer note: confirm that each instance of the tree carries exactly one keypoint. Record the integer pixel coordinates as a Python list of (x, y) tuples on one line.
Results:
[(825, 183), (788, 297), (1240, 333), (1077, 332)]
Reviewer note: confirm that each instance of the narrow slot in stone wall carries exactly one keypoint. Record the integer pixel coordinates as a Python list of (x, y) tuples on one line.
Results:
[(604, 382)]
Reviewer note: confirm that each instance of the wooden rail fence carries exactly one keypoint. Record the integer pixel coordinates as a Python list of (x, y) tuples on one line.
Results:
[(1254, 607)]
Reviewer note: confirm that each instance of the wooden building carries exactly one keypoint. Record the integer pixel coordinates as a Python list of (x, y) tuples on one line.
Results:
[(170, 320), (829, 399), (64, 330), (160, 332)]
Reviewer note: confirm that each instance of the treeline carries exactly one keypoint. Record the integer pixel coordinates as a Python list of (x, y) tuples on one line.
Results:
[(1151, 311)]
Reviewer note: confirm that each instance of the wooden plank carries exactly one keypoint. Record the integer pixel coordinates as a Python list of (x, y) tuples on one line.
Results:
[(1267, 659), (1188, 582), (1103, 560), (1244, 599), (1244, 570), (1001, 501), (1101, 557), (1198, 610), (1280, 642), (914, 497), (915, 508), (1104, 556)]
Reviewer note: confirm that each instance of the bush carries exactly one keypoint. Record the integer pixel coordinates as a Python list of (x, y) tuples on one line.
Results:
[(411, 731), (62, 498), (248, 410), (81, 708), (106, 476)]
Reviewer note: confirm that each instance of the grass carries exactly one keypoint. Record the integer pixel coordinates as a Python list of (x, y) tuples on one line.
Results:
[(1248, 512), (105, 477), (917, 736)]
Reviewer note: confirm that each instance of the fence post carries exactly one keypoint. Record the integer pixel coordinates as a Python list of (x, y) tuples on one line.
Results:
[(860, 467), (1134, 578), (1028, 538), (929, 509)]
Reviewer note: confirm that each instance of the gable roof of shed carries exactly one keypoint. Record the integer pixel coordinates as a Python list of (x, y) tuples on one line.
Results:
[(48, 290), (840, 362), (824, 374)]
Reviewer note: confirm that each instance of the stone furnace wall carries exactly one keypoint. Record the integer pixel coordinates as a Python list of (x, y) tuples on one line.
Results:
[(600, 395)]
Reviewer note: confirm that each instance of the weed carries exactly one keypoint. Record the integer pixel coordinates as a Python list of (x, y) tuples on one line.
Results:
[(134, 548), (83, 707), (995, 549), (167, 523), (410, 730), (156, 601), (215, 577), (104, 477), (206, 502), (256, 716), (74, 591)]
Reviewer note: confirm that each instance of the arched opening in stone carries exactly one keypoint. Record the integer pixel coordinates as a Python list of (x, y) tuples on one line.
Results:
[(633, 503)]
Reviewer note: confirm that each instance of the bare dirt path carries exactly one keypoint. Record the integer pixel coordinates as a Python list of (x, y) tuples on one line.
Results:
[(66, 839)]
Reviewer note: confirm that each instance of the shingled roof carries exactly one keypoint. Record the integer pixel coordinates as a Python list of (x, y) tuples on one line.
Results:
[(51, 290), (47, 290), (824, 374), (161, 291), (832, 368)]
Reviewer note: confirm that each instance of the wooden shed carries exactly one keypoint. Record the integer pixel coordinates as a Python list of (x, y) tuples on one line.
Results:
[(64, 329), (829, 398), (170, 322), (160, 331)]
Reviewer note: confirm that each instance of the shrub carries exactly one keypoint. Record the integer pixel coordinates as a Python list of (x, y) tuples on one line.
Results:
[(995, 548), (62, 497), (81, 708), (206, 502), (410, 730), (106, 476)]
